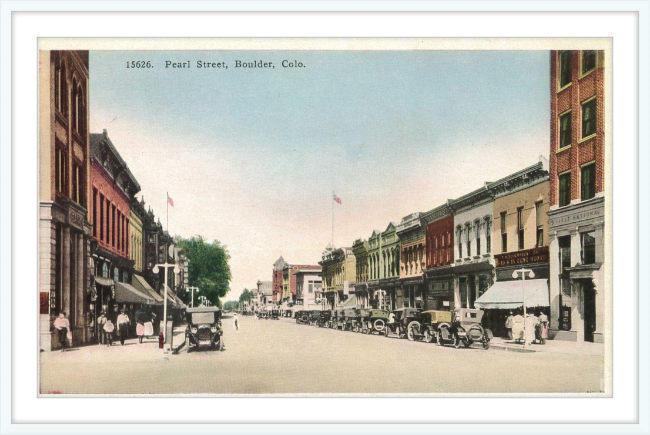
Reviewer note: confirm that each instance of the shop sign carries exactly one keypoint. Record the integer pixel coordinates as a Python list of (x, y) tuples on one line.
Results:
[(577, 217), (536, 255), (438, 288), (76, 219), (408, 281)]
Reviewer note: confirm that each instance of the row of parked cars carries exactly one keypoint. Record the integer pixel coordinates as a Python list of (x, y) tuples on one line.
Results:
[(461, 327)]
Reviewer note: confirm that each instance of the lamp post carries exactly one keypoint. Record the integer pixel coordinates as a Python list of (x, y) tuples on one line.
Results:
[(515, 275), (192, 289), (156, 268)]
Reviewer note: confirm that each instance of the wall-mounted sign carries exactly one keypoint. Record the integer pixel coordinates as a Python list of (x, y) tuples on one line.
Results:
[(536, 255)]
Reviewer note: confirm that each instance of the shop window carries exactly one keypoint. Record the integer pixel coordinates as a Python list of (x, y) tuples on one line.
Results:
[(520, 227), (504, 233), (588, 61), (565, 68), (539, 219), (564, 189), (565, 129), (588, 182), (564, 244), (589, 118), (588, 252)]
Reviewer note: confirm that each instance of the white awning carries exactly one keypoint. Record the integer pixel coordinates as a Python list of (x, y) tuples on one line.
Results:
[(126, 293), (509, 294)]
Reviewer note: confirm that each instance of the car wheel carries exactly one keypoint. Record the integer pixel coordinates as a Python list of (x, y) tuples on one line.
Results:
[(379, 325), (486, 344), (428, 338), (410, 330), (457, 341), (439, 338), (467, 343)]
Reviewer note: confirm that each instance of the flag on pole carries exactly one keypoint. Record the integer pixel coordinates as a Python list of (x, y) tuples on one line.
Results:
[(337, 199), (169, 200)]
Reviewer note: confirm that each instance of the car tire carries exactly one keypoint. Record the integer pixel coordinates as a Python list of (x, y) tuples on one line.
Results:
[(410, 330), (457, 341), (486, 344), (428, 338), (379, 325)]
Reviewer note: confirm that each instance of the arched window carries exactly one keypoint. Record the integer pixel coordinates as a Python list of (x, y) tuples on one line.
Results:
[(79, 110), (75, 112)]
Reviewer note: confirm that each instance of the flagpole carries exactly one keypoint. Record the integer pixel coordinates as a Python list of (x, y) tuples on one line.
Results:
[(168, 212), (332, 219)]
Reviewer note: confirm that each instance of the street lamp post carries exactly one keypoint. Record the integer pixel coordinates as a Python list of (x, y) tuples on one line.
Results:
[(515, 275), (192, 289), (156, 268)]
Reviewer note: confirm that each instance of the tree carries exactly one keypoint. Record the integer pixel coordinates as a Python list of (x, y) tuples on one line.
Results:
[(246, 295), (230, 305), (208, 267)]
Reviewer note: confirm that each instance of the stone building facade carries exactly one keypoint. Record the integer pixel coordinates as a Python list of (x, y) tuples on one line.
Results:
[(338, 271), (577, 195), (360, 250), (64, 222)]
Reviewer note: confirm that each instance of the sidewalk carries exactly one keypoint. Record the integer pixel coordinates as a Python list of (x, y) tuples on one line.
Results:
[(551, 346)]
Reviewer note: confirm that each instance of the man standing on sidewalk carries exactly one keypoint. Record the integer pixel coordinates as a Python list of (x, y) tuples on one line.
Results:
[(509, 324), (122, 325), (62, 325)]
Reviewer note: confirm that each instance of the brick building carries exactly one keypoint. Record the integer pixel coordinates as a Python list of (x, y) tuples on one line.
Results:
[(64, 227), (278, 268), (439, 258), (577, 203)]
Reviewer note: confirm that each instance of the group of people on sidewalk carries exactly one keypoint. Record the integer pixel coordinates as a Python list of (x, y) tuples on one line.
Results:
[(536, 327)]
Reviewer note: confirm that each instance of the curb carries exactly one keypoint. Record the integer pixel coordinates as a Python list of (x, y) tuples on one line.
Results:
[(512, 349)]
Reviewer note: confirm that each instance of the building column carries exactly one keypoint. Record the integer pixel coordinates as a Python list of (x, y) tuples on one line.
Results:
[(577, 310), (47, 277), (65, 272), (81, 320), (554, 280)]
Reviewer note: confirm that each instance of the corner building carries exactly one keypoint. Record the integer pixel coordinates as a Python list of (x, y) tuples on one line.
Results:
[(577, 189)]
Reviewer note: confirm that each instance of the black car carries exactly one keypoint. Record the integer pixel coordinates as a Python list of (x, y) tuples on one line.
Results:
[(203, 328)]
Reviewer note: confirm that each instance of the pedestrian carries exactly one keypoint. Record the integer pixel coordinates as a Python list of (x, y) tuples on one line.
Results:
[(109, 328), (542, 320), (509, 324), (62, 325), (122, 325), (101, 321), (141, 317), (391, 323), (148, 325), (236, 322)]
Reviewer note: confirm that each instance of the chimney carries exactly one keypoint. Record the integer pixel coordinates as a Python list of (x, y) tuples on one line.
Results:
[(105, 133)]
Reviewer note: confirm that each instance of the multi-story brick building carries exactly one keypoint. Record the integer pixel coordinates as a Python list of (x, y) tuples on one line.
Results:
[(412, 234), (278, 268), (577, 188), (360, 250), (439, 258), (64, 228), (289, 290)]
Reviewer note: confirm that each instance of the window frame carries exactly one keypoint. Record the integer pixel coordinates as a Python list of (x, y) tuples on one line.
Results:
[(582, 247), (504, 232), (591, 165), (561, 87), (568, 113), (582, 118), (539, 226), (586, 73), (520, 228), (559, 186)]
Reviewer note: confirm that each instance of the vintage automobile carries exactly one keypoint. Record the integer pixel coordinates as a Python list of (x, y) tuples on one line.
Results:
[(275, 314), (403, 317), (464, 329), (372, 320), (430, 320), (333, 319), (203, 328), (302, 317), (340, 319), (313, 317), (324, 318), (350, 319)]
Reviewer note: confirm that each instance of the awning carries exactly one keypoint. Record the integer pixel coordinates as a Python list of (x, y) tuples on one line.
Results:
[(349, 303), (509, 294), (104, 281), (143, 286), (127, 294), (173, 299)]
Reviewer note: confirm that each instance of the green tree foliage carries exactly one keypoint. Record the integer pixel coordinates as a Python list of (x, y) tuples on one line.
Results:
[(246, 295), (208, 267), (230, 305)]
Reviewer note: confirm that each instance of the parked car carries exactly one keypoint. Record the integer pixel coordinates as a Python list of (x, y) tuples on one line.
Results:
[(350, 319), (464, 329), (340, 319), (275, 314), (302, 317), (203, 328), (430, 320), (404, 320), (373, 320), (324, 318), (314, 316)]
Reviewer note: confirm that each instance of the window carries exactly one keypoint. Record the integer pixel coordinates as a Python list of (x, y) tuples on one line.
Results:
[(565, 129), (589, 118), (588, 61), (539, 219), (477, 225), (95, 213), (468, 240), (564, 243), (101, 217), (311, 287), (565, 68), (504, 234), (61, 169), (112, 238), (520, 227), (462, 284), (78, 188), (75, 101), (588, 253), (588, 182), (564, 189), (488, 235), (459, 233), (60, 89)]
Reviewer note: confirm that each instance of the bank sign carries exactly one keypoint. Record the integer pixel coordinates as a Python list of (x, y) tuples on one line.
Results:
[(536, 255)]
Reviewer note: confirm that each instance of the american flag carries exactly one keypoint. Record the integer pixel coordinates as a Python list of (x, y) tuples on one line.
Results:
[(169, 200), (337, 199)]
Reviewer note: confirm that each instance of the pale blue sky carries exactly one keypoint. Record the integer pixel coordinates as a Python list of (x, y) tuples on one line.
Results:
[(251, 156)]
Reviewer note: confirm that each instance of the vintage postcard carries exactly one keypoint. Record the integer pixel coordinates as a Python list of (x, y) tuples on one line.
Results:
[(339, 217)]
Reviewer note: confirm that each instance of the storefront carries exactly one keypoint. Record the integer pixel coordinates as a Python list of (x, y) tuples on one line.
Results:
[(413, 292), (440, 289), (470, 282), (576, 271)]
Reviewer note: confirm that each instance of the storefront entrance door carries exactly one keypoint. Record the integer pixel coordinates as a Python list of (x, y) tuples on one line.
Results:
[(590, 309)]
